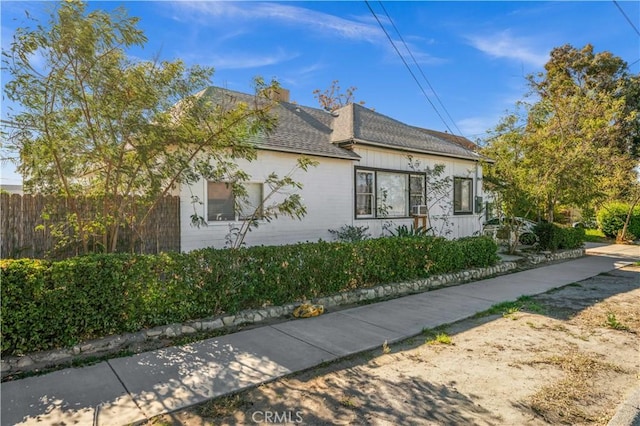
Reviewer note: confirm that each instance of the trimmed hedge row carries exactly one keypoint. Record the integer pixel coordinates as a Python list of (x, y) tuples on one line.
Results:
[(553, 237), (611, 219), (47, 304)]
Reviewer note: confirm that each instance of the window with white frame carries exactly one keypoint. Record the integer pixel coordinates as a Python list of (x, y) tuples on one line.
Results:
[(462, 195), (365, 193), (223, 205), (383, 193)]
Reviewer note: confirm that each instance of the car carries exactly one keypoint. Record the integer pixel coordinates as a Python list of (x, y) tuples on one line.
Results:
[(524, 227)]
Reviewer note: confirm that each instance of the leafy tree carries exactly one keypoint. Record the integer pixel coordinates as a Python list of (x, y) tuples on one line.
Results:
[(580, 132), (332, 98), (508, 178), (94, 122), (576, 144)]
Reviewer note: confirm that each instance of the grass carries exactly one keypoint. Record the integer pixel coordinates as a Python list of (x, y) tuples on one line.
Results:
[(612, 322), (556, 403), (222, 407), (595, 236), (348, 402), (523, 303), (440, 338)]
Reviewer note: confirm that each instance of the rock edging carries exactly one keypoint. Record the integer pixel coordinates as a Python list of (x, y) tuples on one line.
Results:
[(116, 343)]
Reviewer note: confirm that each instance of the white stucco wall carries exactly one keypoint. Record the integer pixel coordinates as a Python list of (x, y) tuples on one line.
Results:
[(328, 194), (461, 225)]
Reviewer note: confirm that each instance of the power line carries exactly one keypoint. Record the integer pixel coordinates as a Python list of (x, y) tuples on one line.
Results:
[(626, 17), (419, 68), (407, 66)]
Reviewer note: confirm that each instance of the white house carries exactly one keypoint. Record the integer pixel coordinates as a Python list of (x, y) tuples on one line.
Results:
[(363, 178)]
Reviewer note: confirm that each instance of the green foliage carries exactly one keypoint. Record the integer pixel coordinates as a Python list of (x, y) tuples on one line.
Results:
[(554, 237), (403, 231), (91, 121), (611, 219), (48, 304), (612, 322), (576, 145), (351, 234)]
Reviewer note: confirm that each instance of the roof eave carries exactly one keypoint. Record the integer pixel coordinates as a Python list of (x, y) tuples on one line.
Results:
[(475, 157), (353, 157)]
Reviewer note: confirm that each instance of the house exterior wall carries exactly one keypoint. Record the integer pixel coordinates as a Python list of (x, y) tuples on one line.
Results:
[(327, 194), (386, 159)]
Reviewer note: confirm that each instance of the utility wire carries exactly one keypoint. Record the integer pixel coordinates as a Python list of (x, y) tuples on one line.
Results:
[(419, 68), (407, 66), (626, 17)]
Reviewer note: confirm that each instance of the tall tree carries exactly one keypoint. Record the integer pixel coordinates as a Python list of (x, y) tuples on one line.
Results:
[(578, 145), (96, 123)]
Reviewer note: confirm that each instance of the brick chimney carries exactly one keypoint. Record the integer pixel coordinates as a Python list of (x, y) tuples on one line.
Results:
[(281, 95)]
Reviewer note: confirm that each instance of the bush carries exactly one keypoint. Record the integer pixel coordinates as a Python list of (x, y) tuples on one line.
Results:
[(611, 218), (554, 237), (48, 305), (351, 234)]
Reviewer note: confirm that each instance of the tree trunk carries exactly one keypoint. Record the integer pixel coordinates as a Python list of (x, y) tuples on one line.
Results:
[(623, 236)]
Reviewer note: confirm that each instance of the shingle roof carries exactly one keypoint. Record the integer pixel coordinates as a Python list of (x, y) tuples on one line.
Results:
[(300, 130), (367, 127), (313, 131)]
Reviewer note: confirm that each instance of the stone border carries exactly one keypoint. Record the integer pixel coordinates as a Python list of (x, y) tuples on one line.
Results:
[(116, 343)]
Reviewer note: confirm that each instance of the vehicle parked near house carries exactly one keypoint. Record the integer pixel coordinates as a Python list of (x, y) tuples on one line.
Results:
[(524, 228)]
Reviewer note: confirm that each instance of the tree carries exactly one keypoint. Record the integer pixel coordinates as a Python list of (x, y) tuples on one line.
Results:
[(332, 98), (508, 178), (575, 144), (580, 132), (96, 123)]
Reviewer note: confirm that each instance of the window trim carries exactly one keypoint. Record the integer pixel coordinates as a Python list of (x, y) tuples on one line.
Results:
[(375, 171), (471, 207), (237, 215)]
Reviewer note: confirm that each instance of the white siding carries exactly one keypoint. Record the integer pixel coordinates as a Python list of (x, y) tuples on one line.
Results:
[(461, 225), (327, 195)]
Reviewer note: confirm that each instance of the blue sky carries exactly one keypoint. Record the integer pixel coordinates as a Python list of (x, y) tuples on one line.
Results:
[(475, 55)]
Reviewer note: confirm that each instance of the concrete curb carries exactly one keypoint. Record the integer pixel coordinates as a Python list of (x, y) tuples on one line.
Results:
[(628, 413)]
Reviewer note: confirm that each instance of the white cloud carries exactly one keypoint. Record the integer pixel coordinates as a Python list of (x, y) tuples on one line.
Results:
[(476, 127), (505, 45), (308, 19), (241, 60)]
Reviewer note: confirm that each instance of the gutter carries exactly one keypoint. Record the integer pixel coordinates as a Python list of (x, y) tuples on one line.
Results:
[(354, 141)]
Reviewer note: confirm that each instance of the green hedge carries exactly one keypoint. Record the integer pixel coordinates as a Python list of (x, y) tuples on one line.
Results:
[(611, 219), (553, 237), (47, 304)]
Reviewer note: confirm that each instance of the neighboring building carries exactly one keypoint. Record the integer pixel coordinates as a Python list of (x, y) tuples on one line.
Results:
[(364, 165)]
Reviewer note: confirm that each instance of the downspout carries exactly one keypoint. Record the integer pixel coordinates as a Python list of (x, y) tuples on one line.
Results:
[(477, 194)]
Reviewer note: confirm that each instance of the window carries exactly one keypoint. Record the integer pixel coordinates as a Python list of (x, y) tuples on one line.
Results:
[(416, 188), (392, 191), (223, 205), (365, 195), (381, 194), (462, 195)]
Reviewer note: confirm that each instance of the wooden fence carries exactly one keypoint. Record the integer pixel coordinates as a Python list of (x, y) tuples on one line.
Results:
[(30, 226)]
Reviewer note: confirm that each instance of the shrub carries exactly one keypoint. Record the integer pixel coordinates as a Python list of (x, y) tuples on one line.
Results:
[(351, 234), (410, 231), (611, 218), (554, 237), (47, 304)]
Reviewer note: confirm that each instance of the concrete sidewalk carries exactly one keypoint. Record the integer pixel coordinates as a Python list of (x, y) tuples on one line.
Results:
[(132, 389)]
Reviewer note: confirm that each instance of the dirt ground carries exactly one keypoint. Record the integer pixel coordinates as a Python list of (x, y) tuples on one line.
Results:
[(569, 356)]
